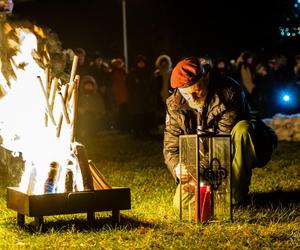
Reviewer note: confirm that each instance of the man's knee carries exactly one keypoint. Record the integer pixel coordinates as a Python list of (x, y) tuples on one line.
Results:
[(241, 129)]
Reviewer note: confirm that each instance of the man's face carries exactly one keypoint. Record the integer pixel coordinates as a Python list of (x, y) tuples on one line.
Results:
[(88, 87), (195, 95), (81, 59), (141, 64), (99, 62)]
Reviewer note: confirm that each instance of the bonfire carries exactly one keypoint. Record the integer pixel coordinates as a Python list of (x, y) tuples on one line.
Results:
[(38, 123)]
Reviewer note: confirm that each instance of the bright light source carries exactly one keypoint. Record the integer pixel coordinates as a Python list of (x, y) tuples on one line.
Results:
[(286, 98)]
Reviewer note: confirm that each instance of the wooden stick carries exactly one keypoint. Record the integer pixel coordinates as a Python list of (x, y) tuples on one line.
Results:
[(75, 106), (47, 102), (71, 89), (83, 163), (48, 81), (53, 94), (74, 68), (48, 87), (58, 129), (72, 75), (64, 108)]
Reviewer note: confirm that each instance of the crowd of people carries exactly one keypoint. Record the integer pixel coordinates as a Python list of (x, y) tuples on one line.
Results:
[(129, 102), (134, 102)]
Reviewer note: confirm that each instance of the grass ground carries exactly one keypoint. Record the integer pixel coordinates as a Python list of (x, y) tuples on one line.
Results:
[(270, 221)]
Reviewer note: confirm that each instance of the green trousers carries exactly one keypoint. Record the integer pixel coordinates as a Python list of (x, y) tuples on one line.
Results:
[(244, 158)]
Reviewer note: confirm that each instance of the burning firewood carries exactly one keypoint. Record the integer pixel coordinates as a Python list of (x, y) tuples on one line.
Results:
[(75, 103), (83, 163), (47, 101), (50, 134), (50, 182), (66, 94), (54, 91), (98, 178), (64, 108)]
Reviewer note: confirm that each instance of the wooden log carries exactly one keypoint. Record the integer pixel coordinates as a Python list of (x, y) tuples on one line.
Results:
[(75, 107), (71, 89), (64, 108), (74, 68), (58, 129), (99, 182), (48, 81), (48, 87), (54, 91), (83, 163), (50, 112)]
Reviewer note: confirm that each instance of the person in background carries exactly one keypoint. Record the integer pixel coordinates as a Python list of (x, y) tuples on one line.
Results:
[(297, 69), (139, 85), (262, 94), (161, 87), (100, 70), (91, 109), (221, 64), (245, 74), (296, 81), (83, 67), (119, 95)]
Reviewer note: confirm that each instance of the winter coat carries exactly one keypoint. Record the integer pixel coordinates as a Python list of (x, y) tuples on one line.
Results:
[(225, 106), (139, 84), (90, 103), (119, 86)]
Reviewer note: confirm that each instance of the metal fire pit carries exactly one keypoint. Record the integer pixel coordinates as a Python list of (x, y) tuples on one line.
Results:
[(38, 206)]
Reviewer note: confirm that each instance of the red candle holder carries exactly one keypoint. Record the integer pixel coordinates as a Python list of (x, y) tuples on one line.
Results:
[(205, 204)]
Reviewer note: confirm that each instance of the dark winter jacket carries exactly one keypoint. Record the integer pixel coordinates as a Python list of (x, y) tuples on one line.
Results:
[(139, 83), (225, 106)]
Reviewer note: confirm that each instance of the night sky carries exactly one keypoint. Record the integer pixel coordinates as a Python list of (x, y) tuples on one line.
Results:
[(177, 28)]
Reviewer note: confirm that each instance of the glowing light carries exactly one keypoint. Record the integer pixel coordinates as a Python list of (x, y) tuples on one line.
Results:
[(286, 98)]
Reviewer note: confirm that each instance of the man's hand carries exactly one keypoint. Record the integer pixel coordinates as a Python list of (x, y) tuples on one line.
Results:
[(184, 176)]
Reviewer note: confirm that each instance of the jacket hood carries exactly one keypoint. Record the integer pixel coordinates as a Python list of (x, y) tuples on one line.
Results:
[(90, 79), (163, 57)]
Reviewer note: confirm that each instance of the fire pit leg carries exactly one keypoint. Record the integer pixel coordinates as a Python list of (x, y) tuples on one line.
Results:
[(90, 217), (38, 221), (21, 219), (116, 216)]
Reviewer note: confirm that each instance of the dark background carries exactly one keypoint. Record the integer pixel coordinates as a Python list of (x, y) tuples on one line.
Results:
[(177, 28)]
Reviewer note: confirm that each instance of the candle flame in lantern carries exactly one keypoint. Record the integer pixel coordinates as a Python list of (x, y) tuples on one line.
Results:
[(23, 108)]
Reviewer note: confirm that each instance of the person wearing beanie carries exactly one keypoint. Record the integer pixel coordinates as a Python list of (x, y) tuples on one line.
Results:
[(161, 87), (206, 100)]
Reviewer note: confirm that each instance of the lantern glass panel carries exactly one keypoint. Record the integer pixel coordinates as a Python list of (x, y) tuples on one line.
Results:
[(206, 195)]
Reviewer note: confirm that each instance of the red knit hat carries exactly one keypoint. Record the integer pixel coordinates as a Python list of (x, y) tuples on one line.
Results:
[(186, 73)]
